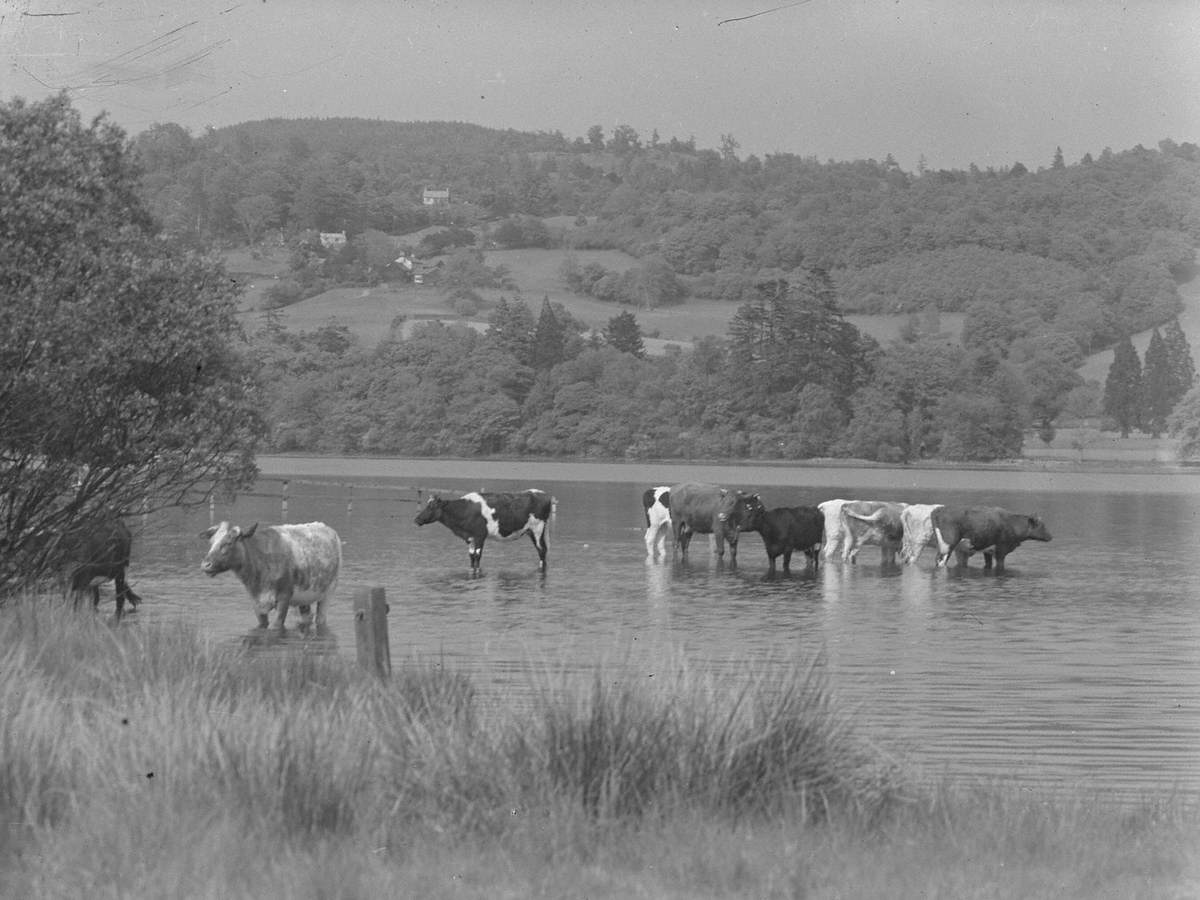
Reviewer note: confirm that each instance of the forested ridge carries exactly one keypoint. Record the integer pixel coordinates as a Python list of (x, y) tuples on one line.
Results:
[(1047, 263)]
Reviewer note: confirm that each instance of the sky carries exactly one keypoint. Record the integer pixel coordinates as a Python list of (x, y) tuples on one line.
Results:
[(940, 83)]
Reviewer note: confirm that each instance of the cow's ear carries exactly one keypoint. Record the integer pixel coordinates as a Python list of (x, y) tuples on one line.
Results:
[(208, 532), (249, 532)]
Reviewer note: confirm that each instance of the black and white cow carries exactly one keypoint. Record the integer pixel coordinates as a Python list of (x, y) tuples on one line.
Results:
[(788, 528), (872, 522), (477, 516), (279, 565), (656, 503), (712, 509), (992, 530)]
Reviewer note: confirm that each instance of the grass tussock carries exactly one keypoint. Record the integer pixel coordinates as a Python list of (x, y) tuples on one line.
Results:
[(146, 761)]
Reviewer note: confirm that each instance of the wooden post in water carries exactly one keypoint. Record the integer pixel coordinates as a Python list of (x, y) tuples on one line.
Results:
[(370, 631)]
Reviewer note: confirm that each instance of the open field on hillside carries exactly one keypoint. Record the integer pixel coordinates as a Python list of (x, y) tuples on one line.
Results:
[(369, 312)]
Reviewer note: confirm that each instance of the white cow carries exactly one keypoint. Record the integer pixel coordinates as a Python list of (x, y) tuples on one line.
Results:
[(279, 565), (656, 502), (918, 530), (834, 530), (871, 522)]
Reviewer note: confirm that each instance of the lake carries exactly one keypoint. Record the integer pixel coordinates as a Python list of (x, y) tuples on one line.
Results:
[(1079, 667)]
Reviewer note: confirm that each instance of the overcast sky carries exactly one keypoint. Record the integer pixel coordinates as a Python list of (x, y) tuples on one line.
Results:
[(953, 81)]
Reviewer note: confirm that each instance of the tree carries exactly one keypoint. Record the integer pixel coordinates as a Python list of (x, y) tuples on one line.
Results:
[(1123, 387), (623, 333), (1179, 361), (1157, 401), (595, 136), (121, 383), (549, 339)]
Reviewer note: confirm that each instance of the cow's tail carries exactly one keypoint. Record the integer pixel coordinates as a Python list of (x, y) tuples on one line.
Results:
[(872, 518)]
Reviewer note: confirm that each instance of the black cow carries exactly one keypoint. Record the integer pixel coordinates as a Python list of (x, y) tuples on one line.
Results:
[(994, 531), (712, 509), (94, 551), (476, 516), (788, 528)]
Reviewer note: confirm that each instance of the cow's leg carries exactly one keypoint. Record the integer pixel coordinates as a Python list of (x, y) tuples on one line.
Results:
[(652, 533), (683, 537), (474, 552), (963, 555), (305, 611), (787, 561), (999, 561), (282, 602), (733, 542), (539, 544)]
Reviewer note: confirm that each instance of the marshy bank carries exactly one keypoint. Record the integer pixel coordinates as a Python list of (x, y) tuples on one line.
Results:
[(146, 761)]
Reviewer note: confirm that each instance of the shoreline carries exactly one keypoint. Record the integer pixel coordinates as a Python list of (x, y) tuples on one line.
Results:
[(1013, 476)]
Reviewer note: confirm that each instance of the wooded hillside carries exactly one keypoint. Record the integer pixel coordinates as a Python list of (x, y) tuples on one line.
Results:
[(1046, 264)]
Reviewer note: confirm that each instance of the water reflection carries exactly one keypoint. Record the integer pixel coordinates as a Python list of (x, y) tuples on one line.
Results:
[(1078, 664)]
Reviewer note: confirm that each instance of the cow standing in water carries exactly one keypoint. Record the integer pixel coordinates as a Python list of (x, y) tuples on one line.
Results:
[(834, 529), (656, 503), (991, 530), (785, 529), (95, 551), (918, 530), (872, 522), (476, 516), (712, 509), (279, 565)]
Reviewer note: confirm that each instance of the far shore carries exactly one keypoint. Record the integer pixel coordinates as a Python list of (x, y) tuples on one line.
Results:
[(1015, 476)]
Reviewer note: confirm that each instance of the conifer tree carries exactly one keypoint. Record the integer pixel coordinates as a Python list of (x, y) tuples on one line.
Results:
[(1179, 361), (1157, 401), (1123, 387), (549, 339)]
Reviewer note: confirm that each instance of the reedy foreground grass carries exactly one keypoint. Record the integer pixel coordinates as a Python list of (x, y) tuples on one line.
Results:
[(147, 762)]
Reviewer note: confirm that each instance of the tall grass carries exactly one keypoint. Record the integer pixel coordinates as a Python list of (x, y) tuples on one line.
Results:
[(147, 761)]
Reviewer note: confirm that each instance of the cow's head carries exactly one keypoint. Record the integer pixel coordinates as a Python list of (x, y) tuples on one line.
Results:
[(1037, 529), (739, 511), (431, 511), (224, 551)]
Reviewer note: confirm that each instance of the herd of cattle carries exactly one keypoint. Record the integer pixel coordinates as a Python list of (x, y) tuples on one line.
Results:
[(282, 566), (834, 526)]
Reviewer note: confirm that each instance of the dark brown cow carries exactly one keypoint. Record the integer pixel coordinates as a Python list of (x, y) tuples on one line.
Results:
[(990, 530), (476, 516), (95, 551), (712, 509), (788, 528)]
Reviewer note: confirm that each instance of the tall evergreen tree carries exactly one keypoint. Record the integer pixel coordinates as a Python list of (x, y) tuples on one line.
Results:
[(549, 339), (1123, 387), (1179, 360), (623, 333), (511, 327), (1157, 400)]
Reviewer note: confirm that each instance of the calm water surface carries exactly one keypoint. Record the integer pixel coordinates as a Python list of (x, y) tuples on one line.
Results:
[(1079, 667)]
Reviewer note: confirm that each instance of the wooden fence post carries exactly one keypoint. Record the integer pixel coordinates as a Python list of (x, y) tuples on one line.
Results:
[(370, 631)]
